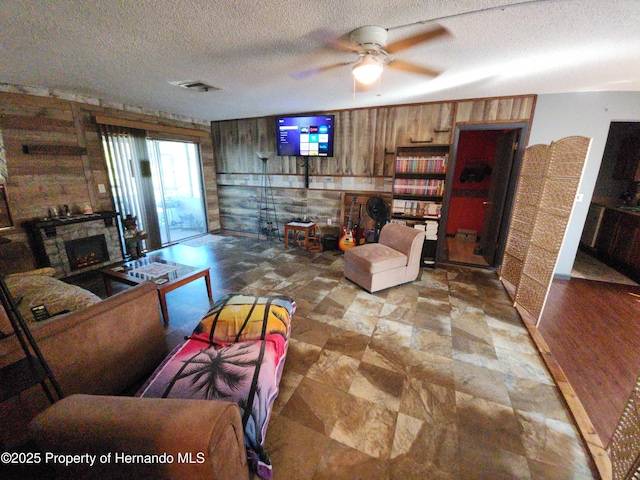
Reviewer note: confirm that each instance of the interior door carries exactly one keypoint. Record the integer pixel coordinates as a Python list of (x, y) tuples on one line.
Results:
[(505, 152)]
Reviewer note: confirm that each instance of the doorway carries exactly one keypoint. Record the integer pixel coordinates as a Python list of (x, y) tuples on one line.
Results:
[(483, 175), (615, 187)]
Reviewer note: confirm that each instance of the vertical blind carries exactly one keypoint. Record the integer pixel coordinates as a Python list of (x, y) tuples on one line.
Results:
[(121, 150)]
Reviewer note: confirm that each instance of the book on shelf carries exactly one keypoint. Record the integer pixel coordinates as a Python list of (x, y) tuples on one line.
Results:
[(429, 228), (417, 208), (395, 220), (422, 164), (412, 186)]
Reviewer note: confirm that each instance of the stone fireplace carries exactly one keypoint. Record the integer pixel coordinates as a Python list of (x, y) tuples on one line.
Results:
[(76, 244)]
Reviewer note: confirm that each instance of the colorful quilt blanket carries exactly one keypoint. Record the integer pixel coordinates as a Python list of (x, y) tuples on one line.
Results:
[(236, 353)]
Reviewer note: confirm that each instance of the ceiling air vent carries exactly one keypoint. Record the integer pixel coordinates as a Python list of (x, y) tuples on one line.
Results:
[(195, 85)]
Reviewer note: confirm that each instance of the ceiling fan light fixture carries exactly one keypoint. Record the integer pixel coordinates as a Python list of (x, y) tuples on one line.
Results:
[(368, 70)]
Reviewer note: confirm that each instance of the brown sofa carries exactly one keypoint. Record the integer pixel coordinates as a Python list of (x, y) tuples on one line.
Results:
[(108, 349), (105, 349), (102, 349)]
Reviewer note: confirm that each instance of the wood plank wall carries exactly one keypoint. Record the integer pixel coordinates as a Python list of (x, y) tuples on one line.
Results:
[(37, 182), (365, 145), (365, 154), (496, 109)]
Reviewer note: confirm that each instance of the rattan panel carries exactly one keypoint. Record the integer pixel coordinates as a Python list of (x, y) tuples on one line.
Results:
[(567, 157), (511, 268), (548, 231), (530, 190), (530, 294), (530, 187), (558, 195), (524, 214), (518, 243), (540, 263), (624, 449), (535, 161)]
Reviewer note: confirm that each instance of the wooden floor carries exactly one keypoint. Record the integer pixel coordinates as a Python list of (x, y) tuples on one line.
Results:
[(462, 252), (593, 331)]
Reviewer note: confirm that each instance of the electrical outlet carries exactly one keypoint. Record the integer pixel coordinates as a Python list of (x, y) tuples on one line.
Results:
[(102, 188)]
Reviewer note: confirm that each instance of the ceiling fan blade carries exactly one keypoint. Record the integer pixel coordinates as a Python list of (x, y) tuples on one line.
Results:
[(328, 39), (413, 68), (343, 44), (315, 71), (400, 45)]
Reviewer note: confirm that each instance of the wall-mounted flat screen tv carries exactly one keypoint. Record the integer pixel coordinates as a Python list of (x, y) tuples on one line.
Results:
[(306, 136)]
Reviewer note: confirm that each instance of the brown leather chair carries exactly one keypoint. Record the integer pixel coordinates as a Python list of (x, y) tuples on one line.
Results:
[(394, 260), (193, 439)]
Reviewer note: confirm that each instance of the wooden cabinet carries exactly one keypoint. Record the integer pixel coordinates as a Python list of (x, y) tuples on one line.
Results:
[(606, 241), (627, 165), (634, 254), (418, 125), (618, 242)]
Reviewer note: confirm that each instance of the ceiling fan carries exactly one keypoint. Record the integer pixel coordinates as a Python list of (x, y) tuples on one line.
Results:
[(374, 54)]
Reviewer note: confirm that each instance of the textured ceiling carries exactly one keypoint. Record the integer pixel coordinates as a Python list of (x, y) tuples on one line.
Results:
[(128, 51)]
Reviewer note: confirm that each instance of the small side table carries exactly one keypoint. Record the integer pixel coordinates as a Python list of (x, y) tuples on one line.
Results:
[(308, 228)]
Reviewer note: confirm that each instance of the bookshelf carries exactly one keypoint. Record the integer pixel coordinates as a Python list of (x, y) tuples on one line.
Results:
[(418, 191)]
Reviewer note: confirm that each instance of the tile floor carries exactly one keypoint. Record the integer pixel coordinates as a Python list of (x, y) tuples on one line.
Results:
[(590, 268), (437, 379)]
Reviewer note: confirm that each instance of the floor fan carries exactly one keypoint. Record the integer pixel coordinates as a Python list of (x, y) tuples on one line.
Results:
[(379, 211)]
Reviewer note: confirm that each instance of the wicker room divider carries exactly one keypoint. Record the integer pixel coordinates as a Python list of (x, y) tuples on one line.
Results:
[(624, 448), (532, 172), (544, 199), (546, 192)]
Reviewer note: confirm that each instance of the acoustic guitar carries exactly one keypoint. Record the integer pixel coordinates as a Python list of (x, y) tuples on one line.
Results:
[(347, 239)]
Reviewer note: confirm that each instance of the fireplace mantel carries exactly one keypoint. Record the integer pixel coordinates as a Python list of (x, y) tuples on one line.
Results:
[(50, 225)]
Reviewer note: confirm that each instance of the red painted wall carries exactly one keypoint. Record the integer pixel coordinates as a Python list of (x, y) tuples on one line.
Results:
[(466, 209)]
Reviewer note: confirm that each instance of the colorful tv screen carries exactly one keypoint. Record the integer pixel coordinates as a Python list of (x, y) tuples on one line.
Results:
[(310, 136)]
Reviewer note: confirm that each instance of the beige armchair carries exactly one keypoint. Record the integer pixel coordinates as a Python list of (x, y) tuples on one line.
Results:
[(396, 259)]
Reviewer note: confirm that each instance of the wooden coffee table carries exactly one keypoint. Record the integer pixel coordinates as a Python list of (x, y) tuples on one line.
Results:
[(167, 276)]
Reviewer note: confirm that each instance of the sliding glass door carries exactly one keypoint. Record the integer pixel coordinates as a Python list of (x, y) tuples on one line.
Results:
[(157, 181), (177, 189)]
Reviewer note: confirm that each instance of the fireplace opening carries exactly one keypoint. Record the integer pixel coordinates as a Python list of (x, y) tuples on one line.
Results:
[(84, 252)]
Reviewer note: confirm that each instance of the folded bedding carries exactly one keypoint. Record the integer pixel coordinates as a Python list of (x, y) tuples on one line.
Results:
[(236, 353)]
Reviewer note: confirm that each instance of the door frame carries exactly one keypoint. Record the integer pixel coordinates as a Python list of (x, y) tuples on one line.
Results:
[(511, 190), (493, 214)]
